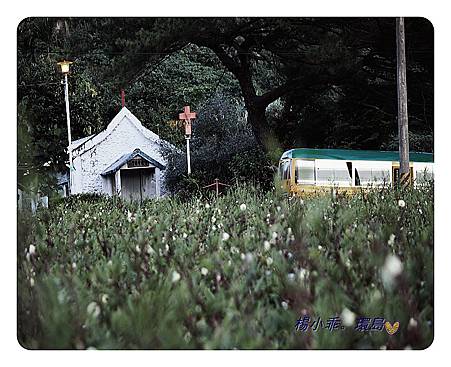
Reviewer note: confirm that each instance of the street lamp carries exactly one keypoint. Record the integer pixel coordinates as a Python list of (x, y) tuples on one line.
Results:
[(65, 65)]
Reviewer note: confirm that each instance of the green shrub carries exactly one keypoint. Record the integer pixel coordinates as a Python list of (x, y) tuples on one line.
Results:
[(230, 272)]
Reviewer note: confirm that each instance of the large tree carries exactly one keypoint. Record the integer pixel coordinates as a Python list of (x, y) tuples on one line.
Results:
[(335, 76)]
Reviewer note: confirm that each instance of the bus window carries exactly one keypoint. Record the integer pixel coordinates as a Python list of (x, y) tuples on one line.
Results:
[(333, 172), (424, 173), (285, 169), (304, 172), (369, 173)]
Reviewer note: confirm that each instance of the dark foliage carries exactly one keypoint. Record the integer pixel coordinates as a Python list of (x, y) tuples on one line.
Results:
[(222, 146)]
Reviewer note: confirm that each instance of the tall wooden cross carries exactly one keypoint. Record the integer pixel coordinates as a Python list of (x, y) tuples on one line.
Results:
[(186, 116)]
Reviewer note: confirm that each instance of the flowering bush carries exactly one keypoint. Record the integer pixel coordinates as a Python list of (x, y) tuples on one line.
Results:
[(236, 271)]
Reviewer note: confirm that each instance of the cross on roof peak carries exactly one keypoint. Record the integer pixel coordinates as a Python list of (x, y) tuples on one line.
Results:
[(123, 97)]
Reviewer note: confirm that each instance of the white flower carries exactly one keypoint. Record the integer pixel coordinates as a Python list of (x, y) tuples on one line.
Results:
[(32, 282), (347, 317), (213, 219), (290, 277), (401, 203), (412, 323), (243, 207), (249, 257), (32, 249), (393, 265), (225, 236), (204, 271), (391, 269), (269, 261), (74, 265), (218, 277), (243, 256), (137, 249), (274, 235), (129, 216), (285, 305), (175, 276), (110, 263), (391, 240), (320, 247), (93, 309), (185, 235), (207, 206), (267, 245), (278, 208), (105, 298), (303, 273), (289, 231)]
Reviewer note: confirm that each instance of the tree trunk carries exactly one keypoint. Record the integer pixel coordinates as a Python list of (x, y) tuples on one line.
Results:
[(265, 136), (255, 105)]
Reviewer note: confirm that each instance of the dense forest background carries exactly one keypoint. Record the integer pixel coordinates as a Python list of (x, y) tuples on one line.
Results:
[(259, 85)]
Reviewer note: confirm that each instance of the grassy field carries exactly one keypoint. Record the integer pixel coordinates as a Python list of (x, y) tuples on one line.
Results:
[(233, 272)]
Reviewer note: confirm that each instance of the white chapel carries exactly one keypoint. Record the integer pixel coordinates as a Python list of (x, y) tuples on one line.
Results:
[(125, 160)]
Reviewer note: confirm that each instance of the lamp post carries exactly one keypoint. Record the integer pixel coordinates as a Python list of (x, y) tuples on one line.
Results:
[(187, 116), (65, 70)]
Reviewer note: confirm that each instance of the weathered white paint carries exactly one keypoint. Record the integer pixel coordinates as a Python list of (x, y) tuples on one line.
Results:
[(124, 134)]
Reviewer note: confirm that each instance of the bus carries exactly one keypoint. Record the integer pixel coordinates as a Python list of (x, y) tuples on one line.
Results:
[(304, 170)]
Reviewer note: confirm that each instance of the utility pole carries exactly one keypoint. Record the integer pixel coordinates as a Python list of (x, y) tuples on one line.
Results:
[(403, 126)]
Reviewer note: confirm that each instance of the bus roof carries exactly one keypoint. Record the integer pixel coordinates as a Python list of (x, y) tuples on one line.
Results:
[(355, 155)]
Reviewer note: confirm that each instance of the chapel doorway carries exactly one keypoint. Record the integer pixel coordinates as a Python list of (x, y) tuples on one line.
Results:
[(138, 184)]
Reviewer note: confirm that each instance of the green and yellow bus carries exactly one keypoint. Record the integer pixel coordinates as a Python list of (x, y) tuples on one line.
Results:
[(305, 171)]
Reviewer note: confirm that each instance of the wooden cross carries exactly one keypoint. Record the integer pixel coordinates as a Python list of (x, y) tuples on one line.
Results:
[(123, 97), (186, 116)]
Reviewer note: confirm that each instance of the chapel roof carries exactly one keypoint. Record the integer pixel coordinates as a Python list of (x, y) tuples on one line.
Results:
[(82, 145), (114, 167)]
